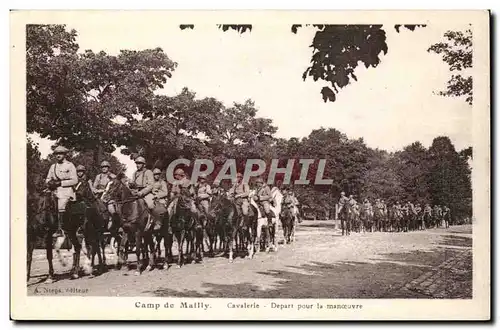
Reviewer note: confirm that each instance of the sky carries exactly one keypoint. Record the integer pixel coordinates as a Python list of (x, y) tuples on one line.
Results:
[(390, 106)]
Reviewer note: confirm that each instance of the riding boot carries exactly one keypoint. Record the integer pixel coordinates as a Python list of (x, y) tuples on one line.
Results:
[(59, 231)]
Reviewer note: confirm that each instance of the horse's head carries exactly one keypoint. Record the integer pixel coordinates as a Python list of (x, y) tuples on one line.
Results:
[(117, 189)]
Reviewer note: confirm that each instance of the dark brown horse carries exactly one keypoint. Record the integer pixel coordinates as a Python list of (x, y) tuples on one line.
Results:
[(183, 225), (287, 222), (346, 218), (366, 218), (134, 215), (43, 224)]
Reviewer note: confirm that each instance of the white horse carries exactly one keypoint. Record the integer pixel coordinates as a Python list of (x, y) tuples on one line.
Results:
[(277, 198)]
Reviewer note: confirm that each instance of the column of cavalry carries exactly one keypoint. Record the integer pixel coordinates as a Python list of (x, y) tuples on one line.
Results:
[(398, 216), (142, 213)]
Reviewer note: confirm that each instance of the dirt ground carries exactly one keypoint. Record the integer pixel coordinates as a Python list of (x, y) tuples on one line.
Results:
[(321, 263)]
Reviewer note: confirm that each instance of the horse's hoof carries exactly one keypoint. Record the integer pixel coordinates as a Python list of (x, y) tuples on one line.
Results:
[(178, 267), (148, 268), (74, 276), (137, 273), (49, 280), (230, 261)]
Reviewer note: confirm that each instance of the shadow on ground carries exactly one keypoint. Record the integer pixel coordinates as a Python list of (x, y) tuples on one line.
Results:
[(380, 278)]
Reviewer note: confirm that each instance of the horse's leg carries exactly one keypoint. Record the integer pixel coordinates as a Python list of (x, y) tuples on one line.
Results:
[(139, 245), (76, 252), (122, 250), (180, 253), (48, 250), (232, 244), (29, 257)]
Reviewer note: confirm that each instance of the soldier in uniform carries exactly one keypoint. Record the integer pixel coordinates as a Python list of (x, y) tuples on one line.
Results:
[(384, 208), (142, 182), (182, 186), (160, 189), (217, 189), (288, 201), (368, 207), (239, 193), (102, 179), (342, 200), (100, 185), (83, 186), (296, 206), (203, 194), (61, 179), (263, 198)]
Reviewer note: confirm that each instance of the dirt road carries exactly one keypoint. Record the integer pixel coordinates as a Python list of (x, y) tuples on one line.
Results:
[(320, 264)]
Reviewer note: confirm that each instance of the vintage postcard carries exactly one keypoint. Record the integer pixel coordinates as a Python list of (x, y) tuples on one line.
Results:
[(250, 165)]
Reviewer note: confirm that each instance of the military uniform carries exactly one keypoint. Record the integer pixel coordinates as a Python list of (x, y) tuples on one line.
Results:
[(239, 191), (160, 191), (143, 181), (342, 201), (204, 194), (185, 188), (368, 207), (65, 173), (263, 197)]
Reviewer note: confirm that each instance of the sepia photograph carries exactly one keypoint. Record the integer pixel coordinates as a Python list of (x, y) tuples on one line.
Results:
[(298, 165)]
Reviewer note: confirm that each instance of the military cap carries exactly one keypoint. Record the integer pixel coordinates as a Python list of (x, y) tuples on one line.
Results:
[(156, 171), (80, 168), (140, 160), (179, 171), (105, 163), (60, 150)]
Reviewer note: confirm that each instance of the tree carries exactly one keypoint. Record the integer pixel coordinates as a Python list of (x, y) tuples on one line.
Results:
[(412, 166), (381, 180), (449, 178), (75, 98), (457, 53)]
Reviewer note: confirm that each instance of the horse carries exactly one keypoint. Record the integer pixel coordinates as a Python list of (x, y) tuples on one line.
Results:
[(182, 223), (378, 218), (427, 219), (346, 214), (134, 214), (288, 223), (266, 226), (43, 224), (94, 225), (229, 224), (366, 218)]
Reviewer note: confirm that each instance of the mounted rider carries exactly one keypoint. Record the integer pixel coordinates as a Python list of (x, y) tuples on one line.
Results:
[(102, 179), (446, 211), (263, 198), (142, 182), (367, 206), (182, 187), (100, 185), (288, 200), (83, 186), (296, 206), (384, 207), (203, 194), (160, 189), (342, 201), (427, 210), (61, 179), (354, 205), (379, 205), (239, 192), (217, 189)]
